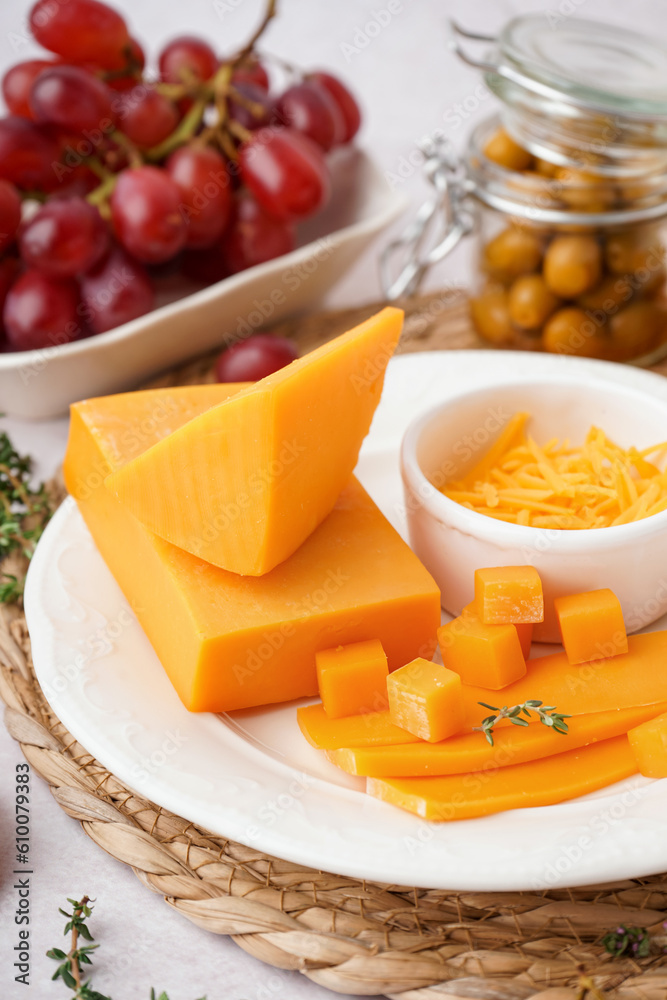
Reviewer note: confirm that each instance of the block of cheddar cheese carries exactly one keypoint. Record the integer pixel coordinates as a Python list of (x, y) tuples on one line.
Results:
[(246, 482), (227, 641)]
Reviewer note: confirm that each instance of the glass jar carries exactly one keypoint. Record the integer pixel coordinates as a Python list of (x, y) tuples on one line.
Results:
[(566, 192)]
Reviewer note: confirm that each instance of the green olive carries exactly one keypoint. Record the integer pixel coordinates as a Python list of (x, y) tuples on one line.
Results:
[(651, 281), (611, 293), (636, 329), (489, 312), (571, 331), (633, 249), (503, 150), (585, 191), (545, 168), (572, 265), (531, 302), (533, 187), (511, 253)]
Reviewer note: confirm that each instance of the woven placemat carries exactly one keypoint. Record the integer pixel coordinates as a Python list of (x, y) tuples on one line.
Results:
[(348, 935)]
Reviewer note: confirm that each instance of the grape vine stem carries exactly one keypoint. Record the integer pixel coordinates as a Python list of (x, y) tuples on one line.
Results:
[(219, 89)]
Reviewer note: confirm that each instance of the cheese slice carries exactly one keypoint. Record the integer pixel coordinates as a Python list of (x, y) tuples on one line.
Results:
[(227, 641), (520, 786), (244, 484), (472, 752)]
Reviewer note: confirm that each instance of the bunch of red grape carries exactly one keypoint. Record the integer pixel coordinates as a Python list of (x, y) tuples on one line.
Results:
[(105, 174)]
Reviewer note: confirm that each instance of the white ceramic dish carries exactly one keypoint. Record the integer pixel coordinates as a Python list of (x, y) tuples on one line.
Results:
[(253, 777), (453, 541), (38, 384)]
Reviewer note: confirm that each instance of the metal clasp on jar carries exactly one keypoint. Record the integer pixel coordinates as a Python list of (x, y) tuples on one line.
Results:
[(437, 228)]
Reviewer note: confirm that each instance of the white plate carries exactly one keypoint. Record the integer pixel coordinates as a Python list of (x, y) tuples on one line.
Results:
[(253, 777), (43, 383)]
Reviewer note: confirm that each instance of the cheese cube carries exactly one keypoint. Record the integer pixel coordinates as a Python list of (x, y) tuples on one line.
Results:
[(353, 679), (426, 699), (487, 656), (591, 625), (649, 745), (509, 595)]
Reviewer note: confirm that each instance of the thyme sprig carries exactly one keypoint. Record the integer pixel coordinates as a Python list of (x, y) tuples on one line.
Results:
[(24, 513), (70, 969), (520, 715)]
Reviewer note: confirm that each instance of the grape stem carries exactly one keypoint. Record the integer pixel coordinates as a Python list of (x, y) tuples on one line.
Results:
[(293, 71), (269, 14), (239, 131), (134, 156), (181, 134), (224, 133), (101, 193), (97, 167), (255, 109)]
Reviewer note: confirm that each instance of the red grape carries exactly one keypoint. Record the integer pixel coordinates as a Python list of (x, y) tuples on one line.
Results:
[(81, 31), (146, 214), (311, 109), (147, 117), (9, 268), (251, 71), (16, 84), (201, 175), (344, 99), (115, 291), (27, 155), (71, 98), (77, 183), (10, 214), (255, 358), (127, 75), (254, 237), (244, 115), (65, 237), (187, 58), (41, 312), (286, 172)]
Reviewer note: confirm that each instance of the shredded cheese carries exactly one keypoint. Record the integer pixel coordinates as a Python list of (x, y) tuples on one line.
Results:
[(556, 485)]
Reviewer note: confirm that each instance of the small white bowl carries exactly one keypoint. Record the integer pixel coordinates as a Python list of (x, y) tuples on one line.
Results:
[(453, 541), (42, 383)]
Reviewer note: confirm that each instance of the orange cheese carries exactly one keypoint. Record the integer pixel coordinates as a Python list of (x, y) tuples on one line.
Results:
[(555, 485), (472, 752), (425, 699), (649, 745), (523, 629), (245, 483), (525, 633), (372, 730), (509, 595), (228, 641), (488, 655), (628, 680), (352, 679), (591, 625), (537, 783)]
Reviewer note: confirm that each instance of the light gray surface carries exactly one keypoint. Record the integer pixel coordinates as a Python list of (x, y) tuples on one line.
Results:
[(410, 86)]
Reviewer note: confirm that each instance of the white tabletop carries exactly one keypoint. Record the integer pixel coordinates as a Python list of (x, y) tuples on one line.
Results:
[(410, 86)]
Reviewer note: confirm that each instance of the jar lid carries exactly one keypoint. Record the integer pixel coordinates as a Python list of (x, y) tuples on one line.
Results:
[(578, 89)]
